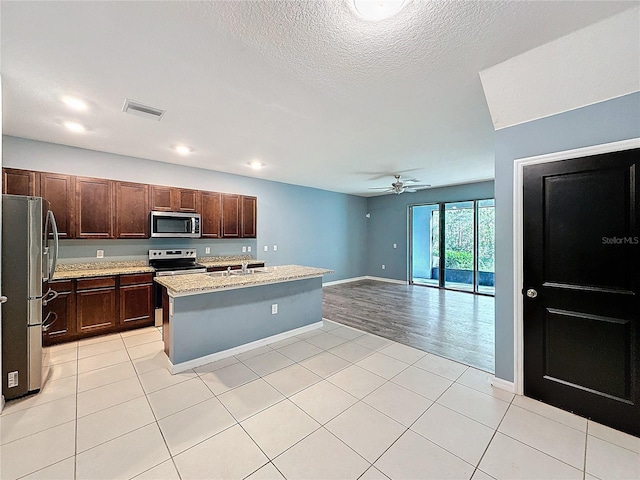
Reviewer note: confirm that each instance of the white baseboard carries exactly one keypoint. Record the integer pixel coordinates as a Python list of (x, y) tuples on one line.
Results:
[(504, 385), (198, 362), (346, 280), (388, 280), (366, 277)]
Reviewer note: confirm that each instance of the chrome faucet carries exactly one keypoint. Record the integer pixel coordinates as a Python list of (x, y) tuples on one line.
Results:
[(245, 264), (228, 271)]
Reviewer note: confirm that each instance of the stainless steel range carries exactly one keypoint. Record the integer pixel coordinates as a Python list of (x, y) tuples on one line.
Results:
[(175, 262)]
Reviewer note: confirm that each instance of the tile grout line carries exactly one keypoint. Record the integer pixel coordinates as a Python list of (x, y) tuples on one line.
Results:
[(586, 441)]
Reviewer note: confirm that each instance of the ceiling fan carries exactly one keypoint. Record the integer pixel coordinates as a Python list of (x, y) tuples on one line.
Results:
[(399, 186)]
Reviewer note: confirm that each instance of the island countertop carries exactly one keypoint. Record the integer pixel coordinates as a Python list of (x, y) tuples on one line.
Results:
[(197, 283)]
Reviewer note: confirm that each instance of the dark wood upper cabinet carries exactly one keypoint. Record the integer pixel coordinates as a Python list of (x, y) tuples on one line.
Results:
[(58, 190), (132, 210), (249, 210), (171, 199), (94, 208), (187, 200), (19, 182), (210, 211), (162, 198), (230, 215)]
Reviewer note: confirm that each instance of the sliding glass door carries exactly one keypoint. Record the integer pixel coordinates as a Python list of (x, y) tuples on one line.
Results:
[(459, 245), (452, 245), (425, 239)]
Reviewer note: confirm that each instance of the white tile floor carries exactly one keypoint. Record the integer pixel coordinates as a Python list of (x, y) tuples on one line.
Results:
[(334, 403)]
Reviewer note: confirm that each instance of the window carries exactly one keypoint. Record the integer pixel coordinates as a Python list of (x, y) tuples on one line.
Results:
[(452, 245)]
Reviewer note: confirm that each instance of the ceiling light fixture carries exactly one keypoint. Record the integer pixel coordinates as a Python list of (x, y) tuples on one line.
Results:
[(74, 103), (256, 165), (376, 10), (75, 127), (183, 149)]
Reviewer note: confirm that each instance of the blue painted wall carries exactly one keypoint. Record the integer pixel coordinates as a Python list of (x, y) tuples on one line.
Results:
[(311, 227), (389, 224), (609, 121)]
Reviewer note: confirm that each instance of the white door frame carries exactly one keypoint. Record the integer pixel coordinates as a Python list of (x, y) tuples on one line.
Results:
[(518, 237)]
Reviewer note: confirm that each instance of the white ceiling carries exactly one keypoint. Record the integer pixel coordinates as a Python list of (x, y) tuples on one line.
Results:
[(324, 98)]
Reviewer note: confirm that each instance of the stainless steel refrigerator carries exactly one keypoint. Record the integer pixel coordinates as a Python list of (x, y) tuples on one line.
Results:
[(28, 231)]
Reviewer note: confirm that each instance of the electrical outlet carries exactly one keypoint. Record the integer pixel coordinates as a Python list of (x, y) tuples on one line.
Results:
[(395, 245), (99, 253), (275, 248), (383, 267), (207, 249), (274, 308), (244, 249), (249, 248), (266, 248)]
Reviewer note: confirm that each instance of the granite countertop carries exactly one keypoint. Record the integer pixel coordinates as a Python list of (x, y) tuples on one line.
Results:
[(226, 261), (65, 271), (182, 285)]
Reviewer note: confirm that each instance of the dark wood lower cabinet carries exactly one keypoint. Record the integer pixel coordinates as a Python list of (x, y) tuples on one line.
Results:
[(95, 306), (60, 314), (136, 301)]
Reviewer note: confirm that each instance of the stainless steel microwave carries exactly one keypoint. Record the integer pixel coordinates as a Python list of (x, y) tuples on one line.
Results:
[(175, 225)]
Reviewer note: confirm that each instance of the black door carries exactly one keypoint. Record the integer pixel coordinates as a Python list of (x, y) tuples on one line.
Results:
[(582, 286)]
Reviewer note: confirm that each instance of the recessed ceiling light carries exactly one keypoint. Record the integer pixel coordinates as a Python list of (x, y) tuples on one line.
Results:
[(183, 149), (75, 103), (256, 165), (375, 10), (75, 127)]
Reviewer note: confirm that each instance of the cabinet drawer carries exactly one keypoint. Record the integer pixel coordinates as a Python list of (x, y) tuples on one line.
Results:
[(61, 286), (136, 278), (100, 282)]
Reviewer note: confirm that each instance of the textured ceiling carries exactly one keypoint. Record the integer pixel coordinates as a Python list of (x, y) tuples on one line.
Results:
[(324, 98)]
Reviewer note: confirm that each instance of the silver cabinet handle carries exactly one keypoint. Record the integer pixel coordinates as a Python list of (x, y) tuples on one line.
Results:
[(531, 293), (50, 295), (3, 299)]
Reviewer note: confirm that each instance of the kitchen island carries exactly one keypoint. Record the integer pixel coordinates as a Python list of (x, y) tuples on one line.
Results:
[(207, 317)]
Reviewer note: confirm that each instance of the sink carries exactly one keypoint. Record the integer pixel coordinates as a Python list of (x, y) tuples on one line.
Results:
[(250, 271)]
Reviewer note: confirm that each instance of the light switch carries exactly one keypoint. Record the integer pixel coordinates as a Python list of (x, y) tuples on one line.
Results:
[(99, 253), (244, 249), (249, 248), (395, 245), (274, 308), (275, 248), (383, 267), (266, 248)]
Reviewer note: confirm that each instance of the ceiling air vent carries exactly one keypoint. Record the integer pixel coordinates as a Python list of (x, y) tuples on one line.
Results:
[(141, 110)]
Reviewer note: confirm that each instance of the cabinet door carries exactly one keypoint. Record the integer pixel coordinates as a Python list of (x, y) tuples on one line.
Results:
[(59, 191), (187, 200), (132, 210), (136, 305), (230, 215), (210, 214), (96, 307), (162, 198), (249, 217), (19, 182), (62, 308), (94, 208)]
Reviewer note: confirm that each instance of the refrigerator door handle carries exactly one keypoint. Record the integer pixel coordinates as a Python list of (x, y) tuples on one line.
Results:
[(54, 258), (46, 324), (50, 295), (3, 299)]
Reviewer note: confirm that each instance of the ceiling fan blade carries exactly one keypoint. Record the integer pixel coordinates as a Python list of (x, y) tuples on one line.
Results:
[(419, 185), (410, 190), (378, 188)]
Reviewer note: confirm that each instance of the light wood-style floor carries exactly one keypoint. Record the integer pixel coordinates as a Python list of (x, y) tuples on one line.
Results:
[(455, 325)]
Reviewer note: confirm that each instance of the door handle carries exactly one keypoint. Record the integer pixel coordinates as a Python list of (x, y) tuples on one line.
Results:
[(3, 299), (532, 293)]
